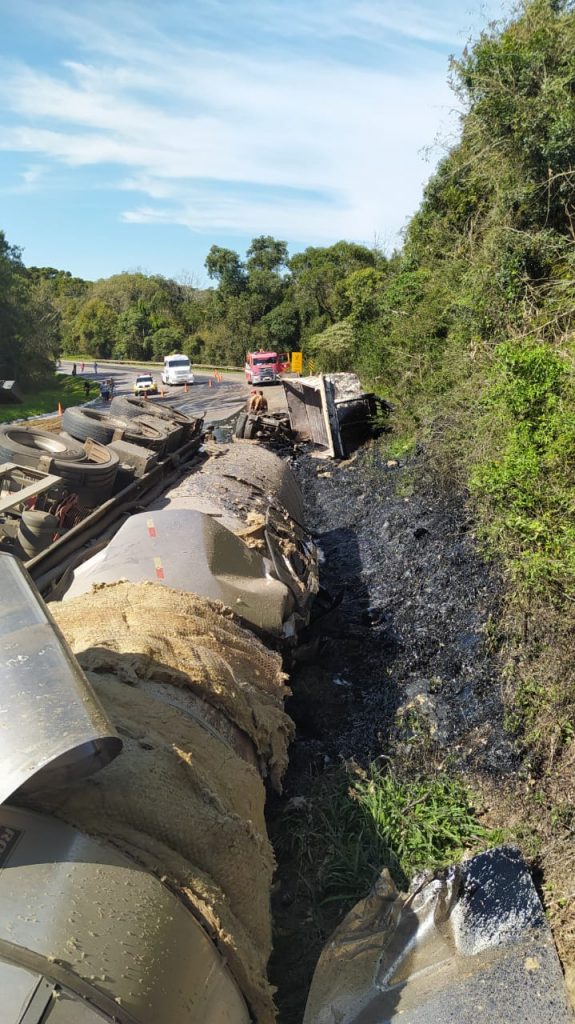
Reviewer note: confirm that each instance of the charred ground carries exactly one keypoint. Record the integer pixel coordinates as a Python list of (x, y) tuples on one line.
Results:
[(401, 663)]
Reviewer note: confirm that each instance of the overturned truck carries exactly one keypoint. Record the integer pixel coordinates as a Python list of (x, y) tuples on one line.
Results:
[(135, 868), (141, 718)]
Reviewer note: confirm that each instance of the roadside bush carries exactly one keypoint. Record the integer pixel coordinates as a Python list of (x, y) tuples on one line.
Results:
[(526, 492)]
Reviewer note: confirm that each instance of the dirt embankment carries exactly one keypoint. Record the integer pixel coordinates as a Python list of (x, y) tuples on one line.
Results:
[(403, 665)]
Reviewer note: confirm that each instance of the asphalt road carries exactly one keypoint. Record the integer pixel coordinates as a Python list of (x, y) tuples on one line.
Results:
[(215, 401)]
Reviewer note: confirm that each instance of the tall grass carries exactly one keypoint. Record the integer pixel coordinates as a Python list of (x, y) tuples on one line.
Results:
[(358, 822)]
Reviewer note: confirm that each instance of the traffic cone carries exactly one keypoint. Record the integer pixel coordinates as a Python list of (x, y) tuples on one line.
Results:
[(60, 409)]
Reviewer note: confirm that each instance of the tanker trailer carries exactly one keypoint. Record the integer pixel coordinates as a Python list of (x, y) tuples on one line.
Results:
[(141, 894)]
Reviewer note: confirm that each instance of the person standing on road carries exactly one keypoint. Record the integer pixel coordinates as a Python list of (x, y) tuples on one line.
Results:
[(262, 403), (252, 401), (82, 367), (74, 369), (95, 366)]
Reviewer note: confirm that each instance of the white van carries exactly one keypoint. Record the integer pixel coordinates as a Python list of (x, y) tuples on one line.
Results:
[(177, 370)]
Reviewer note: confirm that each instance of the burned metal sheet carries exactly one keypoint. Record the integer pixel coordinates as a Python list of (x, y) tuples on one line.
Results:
[(52, 728), (313, 415), (87, 935), (239, 481), (190, 551), (332, 411), (469, 946)]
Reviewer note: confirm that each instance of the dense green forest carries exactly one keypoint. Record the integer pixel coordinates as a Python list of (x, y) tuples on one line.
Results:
[(268, 300), (468, 330)]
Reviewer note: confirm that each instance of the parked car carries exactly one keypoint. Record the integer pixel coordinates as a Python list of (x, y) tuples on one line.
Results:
[(145, 385)]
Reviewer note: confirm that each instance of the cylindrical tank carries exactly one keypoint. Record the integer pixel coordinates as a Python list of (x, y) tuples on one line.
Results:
[(86, 936)]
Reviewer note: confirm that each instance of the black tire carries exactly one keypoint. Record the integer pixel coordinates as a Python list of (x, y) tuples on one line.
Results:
[(149, 432), (127, 407), (84, 423), (241, 424), (93, 482), (251, 427), (26, 447), (35, 531)]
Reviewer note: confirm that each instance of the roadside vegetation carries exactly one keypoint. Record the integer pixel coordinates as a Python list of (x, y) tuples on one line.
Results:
[(45, 396), (358, 821), (469, 331)]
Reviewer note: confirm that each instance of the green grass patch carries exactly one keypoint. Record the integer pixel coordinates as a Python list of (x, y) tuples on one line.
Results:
[(540, 713), (45, 397), (358, 822)]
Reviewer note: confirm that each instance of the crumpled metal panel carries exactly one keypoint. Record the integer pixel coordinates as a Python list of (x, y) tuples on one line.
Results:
[(122, 947), (52, 728), (471, 946), (331, 411), (312, 412), (294, 558), (190, 551)]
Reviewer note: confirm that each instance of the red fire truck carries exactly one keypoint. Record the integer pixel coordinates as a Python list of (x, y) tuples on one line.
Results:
[(265, 367)]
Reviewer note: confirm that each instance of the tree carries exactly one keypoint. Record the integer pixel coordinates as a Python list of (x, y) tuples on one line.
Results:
[(225, 267), (266, 253), (95, 328), (134, 333), (315, 276), (29, 332), (281, 328), (334, 348), (166, 340)]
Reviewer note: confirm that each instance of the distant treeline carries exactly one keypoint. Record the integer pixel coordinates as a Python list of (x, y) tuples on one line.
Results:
[(267, 300)]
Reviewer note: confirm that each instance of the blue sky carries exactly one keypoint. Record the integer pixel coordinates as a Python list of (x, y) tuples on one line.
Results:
[(136, 135)]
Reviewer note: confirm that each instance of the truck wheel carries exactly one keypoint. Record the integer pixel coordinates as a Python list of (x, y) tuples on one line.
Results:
[(84, 423), (251, 427), (127, 408), (35, 531), (93, 482), (27, 447), (240, 424), (149, 432)]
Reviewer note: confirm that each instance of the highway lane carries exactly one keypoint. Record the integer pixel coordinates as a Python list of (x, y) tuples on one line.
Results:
[(214, 400)]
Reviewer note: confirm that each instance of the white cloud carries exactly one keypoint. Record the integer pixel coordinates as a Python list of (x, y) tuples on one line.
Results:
[(214, 137)]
